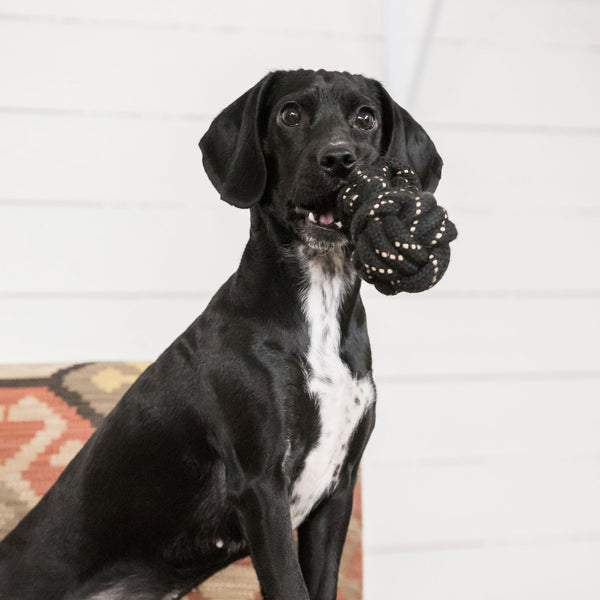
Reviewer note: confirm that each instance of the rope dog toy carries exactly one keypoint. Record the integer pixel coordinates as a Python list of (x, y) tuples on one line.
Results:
[(401, 237)]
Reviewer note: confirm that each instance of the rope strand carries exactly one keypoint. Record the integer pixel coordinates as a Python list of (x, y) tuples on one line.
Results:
[(400, 235)]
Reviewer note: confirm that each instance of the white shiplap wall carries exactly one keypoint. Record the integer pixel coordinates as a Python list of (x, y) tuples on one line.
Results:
[(482, 480), (487, 449), (106, 216)]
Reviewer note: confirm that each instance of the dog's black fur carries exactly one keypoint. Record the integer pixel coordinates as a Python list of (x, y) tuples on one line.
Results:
[(194, 467)]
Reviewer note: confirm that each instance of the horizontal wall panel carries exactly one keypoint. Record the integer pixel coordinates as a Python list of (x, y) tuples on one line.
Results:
[(335, 16), (449, 421), (516, 171), (124, 249), (130, 250), (164, 248), (423, 335), (410, 336), (102, 161), (87, 329), (522, 22), (505, 85), (522, 572), (512, 501), (523, 250), (100, 69), (133, 160)]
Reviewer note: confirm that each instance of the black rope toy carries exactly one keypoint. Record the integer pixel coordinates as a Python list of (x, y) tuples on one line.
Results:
[(400, 236)]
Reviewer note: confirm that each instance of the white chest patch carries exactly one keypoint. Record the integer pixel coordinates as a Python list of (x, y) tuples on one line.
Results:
[(341, 399)]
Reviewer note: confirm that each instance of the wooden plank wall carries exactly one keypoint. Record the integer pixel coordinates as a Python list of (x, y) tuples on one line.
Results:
[(483, 475), (112, 235), (482, 480)]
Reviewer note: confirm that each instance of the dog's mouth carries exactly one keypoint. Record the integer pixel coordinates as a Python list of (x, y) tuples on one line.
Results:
[(321, 217), (323, 220)]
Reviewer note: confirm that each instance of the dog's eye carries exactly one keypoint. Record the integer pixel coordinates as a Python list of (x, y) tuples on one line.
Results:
[(365, 119), (290, 115)]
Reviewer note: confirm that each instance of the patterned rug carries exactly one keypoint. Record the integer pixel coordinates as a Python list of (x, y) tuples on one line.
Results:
[(48, 412)]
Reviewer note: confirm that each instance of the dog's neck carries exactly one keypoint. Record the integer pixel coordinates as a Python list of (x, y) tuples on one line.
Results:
[(328, 281), (276, 264)]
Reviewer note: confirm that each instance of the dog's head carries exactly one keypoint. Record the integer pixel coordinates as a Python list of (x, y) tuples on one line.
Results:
[(288, 144)]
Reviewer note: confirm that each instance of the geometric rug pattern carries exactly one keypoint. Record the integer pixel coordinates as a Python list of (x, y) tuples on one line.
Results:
[(48, 412)]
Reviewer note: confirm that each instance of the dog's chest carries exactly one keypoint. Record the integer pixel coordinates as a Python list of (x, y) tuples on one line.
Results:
[(340, 399)]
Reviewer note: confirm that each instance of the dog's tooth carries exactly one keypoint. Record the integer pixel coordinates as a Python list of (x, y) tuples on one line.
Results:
[(338, 224), (311, 217)]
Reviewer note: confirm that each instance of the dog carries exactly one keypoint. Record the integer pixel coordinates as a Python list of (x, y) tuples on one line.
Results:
[(253, 422)]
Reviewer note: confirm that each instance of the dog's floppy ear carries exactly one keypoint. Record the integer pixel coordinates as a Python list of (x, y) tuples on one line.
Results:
[(405, 140), (231, 149)]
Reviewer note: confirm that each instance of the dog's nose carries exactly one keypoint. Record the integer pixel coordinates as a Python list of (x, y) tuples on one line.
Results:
[(337, 160)]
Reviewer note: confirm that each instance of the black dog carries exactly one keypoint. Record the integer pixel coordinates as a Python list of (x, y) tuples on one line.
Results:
[(253, 422)]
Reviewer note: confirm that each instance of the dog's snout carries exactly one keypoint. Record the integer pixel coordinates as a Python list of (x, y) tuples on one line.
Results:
[(337, 160)]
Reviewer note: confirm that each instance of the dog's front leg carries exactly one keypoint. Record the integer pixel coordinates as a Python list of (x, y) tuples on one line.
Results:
[(322, 535), (265, 514), (321, 541)]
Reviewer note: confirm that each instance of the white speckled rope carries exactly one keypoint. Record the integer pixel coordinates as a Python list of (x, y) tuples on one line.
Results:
[(401, 236)]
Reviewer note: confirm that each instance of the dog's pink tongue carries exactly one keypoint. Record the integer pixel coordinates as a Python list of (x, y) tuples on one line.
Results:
[(326, 218)]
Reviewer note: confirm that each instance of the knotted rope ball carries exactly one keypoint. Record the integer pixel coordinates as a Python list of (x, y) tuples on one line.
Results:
[(401, 237)]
